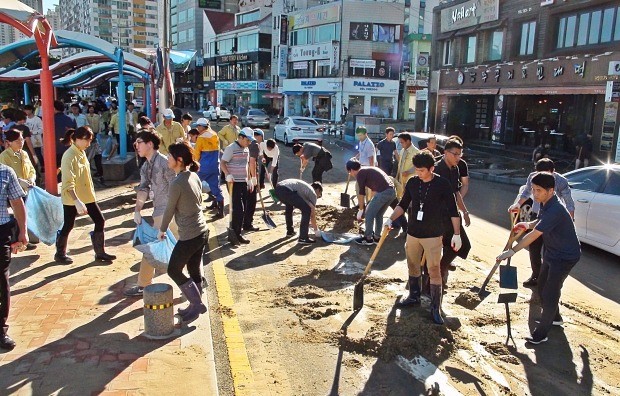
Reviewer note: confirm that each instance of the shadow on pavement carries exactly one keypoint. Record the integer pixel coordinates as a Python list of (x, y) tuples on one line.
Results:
[(264, 255)]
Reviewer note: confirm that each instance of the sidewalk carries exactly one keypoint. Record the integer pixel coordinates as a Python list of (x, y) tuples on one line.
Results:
[(77, 334)]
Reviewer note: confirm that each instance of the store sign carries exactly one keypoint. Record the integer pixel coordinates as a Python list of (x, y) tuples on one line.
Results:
[(232, 58), (261, 85), (612, 91), (363, 63), (369, 85), (614, 68), (334, 57), (311, 85), (470, 13), (321, 16), (283, 29), (323, 62), (360, 31), (310, 52), (283, 61), (211, 4), (366, 31), (546, 2), (422, 94), (411, 81), (300, 65)]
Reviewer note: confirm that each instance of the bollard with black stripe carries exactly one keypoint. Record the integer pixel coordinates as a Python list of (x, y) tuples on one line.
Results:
[(158, 311)]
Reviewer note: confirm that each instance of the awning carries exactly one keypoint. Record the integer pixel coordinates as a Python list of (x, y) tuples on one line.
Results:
[(586, 90), (273, 96), (473, 91)]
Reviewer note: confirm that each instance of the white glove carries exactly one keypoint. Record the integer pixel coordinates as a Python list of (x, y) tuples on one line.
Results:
[(317, 233), (360, 215), (81, 208), (25, 184), (456, 242), (161, 235), (230, 178), (110, 133), (515, 207), (137, 217), (507, 254), (251, 184), (388, 223)]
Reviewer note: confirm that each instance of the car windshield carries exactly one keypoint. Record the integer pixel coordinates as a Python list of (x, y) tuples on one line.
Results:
[(305, 122), (256, 113)]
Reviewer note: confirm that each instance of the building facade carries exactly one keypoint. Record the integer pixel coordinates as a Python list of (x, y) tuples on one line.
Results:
[(9, 34), (528, 73)]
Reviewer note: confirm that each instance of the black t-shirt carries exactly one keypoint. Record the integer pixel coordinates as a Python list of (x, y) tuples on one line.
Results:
[(24, 130), (437, 199), (373, 178), (452, 175), (386, 150), (463, 169)]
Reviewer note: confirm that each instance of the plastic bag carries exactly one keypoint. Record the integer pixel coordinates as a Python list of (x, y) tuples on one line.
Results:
[(156, 252), (44, 214)]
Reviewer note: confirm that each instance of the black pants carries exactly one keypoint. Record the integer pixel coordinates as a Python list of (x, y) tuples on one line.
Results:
[(273, 176), (5, 286), (248, 215), (551, 278), (187, 252), (239, 205), (386, 166), (448, 254), (317, 172), (292, 200), (70, 213), (536, 248)]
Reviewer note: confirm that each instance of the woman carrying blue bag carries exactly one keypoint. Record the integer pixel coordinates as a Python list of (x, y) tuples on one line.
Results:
[(185, 205)]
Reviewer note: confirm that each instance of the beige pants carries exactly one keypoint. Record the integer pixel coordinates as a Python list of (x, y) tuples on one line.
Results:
[(145, 276), (414, 248)]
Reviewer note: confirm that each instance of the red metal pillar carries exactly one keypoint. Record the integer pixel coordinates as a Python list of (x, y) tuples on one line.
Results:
[(49, 137)]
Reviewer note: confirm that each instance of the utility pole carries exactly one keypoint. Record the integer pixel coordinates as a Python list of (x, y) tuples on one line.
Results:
[(163, 20)]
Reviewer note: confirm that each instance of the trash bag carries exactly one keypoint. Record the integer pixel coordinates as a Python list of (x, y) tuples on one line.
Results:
[(108, 145), (44, 215), (157, 253)]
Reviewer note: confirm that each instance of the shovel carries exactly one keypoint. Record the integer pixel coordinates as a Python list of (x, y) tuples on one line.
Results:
[(266, 218), (345, 199), (508, 276), (272, 191), (358, 291), (232, 235)]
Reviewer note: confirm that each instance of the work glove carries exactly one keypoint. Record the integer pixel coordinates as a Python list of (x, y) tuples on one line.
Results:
[(161, 235), (110, 133), (317, 233), (520, 227), (230, 178), (456, 242), (253, 181), (251, 184), (388, 223), (81, 208), (514, 208), (505, 255), (137, 217), (360, 215)]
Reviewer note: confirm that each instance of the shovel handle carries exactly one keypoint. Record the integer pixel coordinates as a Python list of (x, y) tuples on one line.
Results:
[(384, 234), (346, 189), (260, 197)]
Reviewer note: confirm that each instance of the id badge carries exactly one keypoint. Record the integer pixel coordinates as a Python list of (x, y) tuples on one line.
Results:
[(420, 216)]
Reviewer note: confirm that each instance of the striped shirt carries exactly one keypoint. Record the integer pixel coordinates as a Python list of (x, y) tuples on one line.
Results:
[(236, 158), (9, 190)]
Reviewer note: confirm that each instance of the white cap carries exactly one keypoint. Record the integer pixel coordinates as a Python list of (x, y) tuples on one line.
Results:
[(168, 113), (248, 133), (202, 122)]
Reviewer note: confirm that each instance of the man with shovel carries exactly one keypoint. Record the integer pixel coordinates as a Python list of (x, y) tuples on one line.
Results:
[(561, 251), (322, 159), (298, 194), (430, 197)]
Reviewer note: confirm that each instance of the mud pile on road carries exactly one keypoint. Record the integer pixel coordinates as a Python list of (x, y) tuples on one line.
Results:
[(341, 220)]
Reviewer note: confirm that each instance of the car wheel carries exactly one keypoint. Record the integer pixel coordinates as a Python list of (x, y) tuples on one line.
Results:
[(286, 142), (525, 214)]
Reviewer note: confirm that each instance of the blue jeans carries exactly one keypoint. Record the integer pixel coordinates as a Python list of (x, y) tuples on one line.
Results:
[(376, 209)]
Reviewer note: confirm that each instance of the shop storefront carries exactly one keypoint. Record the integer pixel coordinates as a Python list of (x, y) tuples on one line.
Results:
[(378, 98), (555, 102), (239, 95), (312, 97)]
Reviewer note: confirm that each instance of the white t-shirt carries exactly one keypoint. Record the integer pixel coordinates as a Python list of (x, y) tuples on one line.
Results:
[(273, 154), (35, 125)]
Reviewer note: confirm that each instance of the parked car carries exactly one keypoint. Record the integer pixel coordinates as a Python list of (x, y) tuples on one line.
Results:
[(255, 118), (216, 113), (295, 129), (596, 192)]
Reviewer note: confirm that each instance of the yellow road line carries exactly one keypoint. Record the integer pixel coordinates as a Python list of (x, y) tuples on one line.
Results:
[(243, 378)]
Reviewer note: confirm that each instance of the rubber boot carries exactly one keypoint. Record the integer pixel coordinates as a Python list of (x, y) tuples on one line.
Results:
[(98, 241), (436, 297), (61, 249), (196, 307), (183, 311), (220, 210), (414, 293)]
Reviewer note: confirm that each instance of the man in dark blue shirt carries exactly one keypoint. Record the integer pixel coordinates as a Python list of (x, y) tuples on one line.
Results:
[(386, 151), (62, 122), (561, 251)]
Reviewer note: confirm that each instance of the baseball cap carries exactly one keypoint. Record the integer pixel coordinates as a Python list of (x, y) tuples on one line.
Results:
[(259, 131), (248, 133), (361, 129), (202, 122), (168, 113)]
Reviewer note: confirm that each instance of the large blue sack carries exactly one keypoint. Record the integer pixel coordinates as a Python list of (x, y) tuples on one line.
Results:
[(44, 214), (156, 252)]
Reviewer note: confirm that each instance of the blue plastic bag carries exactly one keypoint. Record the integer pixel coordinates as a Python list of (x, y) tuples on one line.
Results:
[(44, 214), (156, 252)]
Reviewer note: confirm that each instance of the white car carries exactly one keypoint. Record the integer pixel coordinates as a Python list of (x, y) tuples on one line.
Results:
[(596, 192), (214, 113), (295, 129)]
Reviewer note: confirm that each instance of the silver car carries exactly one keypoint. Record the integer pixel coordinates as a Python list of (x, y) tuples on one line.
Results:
[(295, 129), (255, 118)]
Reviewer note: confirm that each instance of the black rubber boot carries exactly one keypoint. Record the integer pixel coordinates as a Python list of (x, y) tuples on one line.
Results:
[(196, 307), (61, 249), (436, 297), (414, 293), (220, 210), (98, 241)]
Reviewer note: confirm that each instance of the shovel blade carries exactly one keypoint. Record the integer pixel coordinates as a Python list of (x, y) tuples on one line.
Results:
[(508, 277), (269, 221), (358, 295), (345, 200)]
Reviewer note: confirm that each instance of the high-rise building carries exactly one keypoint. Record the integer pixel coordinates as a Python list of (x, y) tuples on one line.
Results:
[(128, 23), (9, 34)]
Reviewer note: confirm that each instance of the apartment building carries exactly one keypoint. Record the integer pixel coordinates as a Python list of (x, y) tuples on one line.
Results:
[(9, 34)]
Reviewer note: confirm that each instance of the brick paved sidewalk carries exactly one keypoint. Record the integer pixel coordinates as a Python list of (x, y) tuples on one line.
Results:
[(77, 334)]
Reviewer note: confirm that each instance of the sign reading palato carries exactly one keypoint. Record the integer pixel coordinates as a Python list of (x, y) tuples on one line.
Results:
[(470, 13)]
